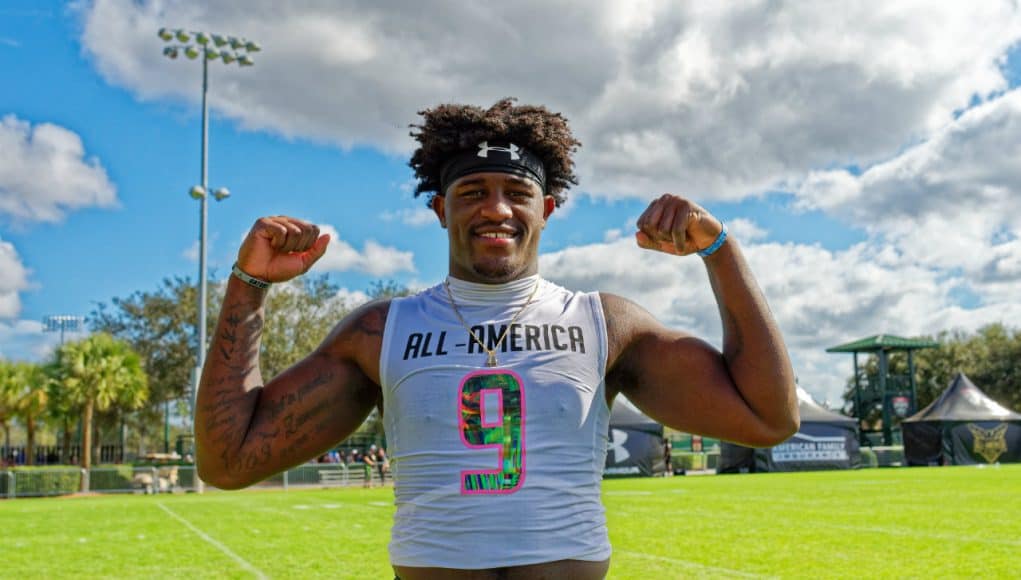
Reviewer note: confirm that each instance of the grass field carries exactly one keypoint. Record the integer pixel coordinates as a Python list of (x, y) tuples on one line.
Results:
[(921, 522)]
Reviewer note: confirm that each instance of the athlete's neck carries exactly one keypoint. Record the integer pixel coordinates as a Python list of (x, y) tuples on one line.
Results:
[(507, 293)]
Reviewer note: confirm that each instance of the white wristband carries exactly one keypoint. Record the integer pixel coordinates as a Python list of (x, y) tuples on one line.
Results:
[(250, 280)]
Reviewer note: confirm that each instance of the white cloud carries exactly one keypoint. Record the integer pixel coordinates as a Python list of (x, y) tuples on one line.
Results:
[(820, 298), (13, 281), (374, 258), (716, 100), (719, 100), (951, 202), (410, 217), (44, 173), (746, 230), (352, 297), (25, 340), (192, 253)]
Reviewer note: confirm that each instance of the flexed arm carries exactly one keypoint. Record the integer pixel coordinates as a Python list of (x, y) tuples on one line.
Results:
[(744, 394), (246, 430)]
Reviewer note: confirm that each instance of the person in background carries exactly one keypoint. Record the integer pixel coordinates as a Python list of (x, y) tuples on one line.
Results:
[(368, 462), (382, 465)]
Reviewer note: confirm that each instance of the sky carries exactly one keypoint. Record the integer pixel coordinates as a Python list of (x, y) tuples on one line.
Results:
[(864, 155)]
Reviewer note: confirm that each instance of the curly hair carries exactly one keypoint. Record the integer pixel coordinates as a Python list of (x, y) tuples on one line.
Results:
[(448, 129)]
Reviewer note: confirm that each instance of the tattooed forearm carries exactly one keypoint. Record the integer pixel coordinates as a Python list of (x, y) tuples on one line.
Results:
[(229, 387), (247, 430), (240, 329)]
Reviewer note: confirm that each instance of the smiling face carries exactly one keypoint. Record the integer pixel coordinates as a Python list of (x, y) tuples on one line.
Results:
[(493, 221)]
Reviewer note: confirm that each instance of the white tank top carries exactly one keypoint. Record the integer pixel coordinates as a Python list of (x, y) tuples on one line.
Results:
[(500, 466)]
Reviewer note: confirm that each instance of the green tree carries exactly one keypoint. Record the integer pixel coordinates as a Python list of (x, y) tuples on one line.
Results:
[(33, 396), (388, 289), (8, 401), (991, 357), (299, 315), (95, 374), (59, 406), (160, 326)]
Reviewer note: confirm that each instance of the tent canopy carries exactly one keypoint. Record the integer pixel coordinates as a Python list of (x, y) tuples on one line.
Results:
[(825, 440), (812, 412), (635, 442), (883, 342), (962, 427), (624, 414), (963, 401)]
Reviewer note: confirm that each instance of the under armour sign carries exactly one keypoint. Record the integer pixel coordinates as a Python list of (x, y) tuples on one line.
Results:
[(513, 150)]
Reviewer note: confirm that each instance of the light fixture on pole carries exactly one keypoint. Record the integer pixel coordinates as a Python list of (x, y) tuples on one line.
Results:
[(61, 323), (210, 47)]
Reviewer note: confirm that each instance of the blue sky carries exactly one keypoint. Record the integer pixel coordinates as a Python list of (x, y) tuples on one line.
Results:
[(838, 162)]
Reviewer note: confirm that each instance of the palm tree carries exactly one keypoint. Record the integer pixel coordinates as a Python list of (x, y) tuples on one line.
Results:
[(59, 406), (98, 373), (8, 403), (32, 400)]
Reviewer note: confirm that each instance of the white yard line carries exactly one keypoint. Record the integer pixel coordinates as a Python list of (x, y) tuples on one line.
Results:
[(241, 561), (691, 565), (912, 533)]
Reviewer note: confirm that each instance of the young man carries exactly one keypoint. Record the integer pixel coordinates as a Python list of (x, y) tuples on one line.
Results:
[(495, 385), (369, 462)]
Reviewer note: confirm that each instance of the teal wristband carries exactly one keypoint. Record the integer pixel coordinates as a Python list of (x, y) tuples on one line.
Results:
[(716, 243), (250, 280)]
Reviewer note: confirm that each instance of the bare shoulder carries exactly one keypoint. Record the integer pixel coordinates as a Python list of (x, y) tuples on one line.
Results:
[(620, 310), (359, 337)]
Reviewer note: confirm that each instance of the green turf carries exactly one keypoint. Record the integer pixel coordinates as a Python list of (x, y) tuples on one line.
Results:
[(922, 522)]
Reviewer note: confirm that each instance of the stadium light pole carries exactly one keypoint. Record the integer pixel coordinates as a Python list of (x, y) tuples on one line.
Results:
[(209, 47), (61, 323)]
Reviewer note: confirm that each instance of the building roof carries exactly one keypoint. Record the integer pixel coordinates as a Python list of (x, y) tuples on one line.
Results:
[(883, 342)]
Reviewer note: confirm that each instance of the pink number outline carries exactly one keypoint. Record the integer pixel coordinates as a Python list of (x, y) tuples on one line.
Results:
[(461, 428)]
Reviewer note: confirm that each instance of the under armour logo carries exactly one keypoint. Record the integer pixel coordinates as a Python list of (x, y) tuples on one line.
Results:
[(513, 150), (617, 440)]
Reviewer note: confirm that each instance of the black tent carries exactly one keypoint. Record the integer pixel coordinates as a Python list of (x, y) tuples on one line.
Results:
[(635, 444), (825, 440), (962, 427)]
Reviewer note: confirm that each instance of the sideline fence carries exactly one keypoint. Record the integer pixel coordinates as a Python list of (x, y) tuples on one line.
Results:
[(40, 482), (52, 454)]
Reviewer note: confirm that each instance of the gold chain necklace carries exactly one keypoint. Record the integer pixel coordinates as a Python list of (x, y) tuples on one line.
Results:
[(491, 352)]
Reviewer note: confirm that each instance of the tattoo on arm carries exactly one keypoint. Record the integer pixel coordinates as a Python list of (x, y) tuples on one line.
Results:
[(251, 428), (372, 323), (227, 399)]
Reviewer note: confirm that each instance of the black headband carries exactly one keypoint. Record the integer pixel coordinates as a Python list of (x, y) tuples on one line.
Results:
[(496, 156)]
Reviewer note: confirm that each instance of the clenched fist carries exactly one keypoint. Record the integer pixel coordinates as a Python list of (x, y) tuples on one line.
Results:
[(279, 248), (676, 226)]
